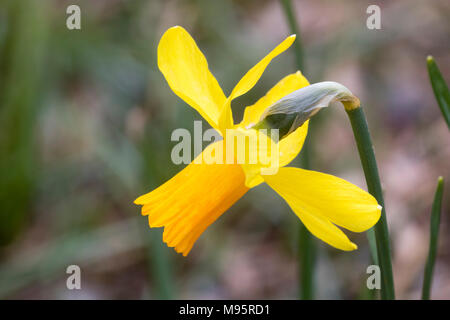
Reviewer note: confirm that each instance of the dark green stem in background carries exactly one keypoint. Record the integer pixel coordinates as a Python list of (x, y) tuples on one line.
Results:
[(293, 26), (440, 89), (22, 60), (307, 258), (157, 253), (434, 232), (161, 265), (369, 164), (306, 246)]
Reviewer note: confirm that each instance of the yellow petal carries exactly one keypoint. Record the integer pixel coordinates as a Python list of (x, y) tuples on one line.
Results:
[(284, 87), (252, 76), (249, 80), (186, 70), (291, 145), (256, 152), (323, 229), (317, 197), (192, 200)]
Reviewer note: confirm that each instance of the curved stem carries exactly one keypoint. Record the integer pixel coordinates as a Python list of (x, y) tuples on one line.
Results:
[(369, 164)]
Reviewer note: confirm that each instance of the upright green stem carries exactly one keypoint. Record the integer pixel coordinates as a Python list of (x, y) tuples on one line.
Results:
[(306, 247), (161, 266), (369, 164), (434, 231), (158, 260), (293, 26), (307, 258), (22, 61)]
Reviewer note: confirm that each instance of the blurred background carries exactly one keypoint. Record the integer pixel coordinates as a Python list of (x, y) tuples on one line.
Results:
[(85, 124)]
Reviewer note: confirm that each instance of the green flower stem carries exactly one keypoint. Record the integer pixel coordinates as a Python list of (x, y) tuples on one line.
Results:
[(372, 245), (369, 164), (307, 258), (306, 247), (158, 263), (157, 254), (161, 266), (434, 231), (440, 89), (293, 26), (22, 61)]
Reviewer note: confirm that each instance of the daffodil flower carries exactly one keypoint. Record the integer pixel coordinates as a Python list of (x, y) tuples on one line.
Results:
[(200, 193)]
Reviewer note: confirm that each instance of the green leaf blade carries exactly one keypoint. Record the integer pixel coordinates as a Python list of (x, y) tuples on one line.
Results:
[(434, 232), (440, 88)]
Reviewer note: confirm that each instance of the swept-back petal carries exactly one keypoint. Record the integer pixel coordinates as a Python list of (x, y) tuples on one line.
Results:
[(186, 70), (291, 145), (285, 86), (317, 197), (249, 80), (252, 76), (192, 200)]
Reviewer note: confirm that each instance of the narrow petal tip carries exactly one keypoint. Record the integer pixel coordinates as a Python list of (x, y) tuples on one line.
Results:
[(175, 27), (139, 200), (350, 246)]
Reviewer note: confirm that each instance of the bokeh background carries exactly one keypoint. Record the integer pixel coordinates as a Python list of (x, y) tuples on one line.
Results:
[(85, 124)]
